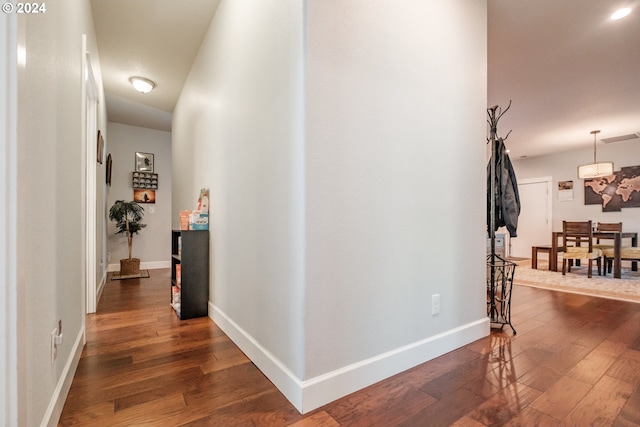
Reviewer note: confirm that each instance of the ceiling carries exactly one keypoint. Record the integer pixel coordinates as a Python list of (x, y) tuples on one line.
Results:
[(564, 65), (567, 68), (155, 39)]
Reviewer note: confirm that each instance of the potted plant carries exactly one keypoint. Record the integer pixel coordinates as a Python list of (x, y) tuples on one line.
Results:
[(127, 216)]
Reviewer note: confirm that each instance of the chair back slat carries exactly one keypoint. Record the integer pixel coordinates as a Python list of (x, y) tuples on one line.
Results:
[(577, 234), (608, 226)]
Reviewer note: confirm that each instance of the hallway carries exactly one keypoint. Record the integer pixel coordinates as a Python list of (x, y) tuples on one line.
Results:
[(574, 361)]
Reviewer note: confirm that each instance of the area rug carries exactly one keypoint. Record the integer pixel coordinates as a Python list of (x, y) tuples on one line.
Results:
[(627, 288), (142, 275)]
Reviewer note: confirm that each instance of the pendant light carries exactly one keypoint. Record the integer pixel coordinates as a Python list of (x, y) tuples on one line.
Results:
[(595, 169)]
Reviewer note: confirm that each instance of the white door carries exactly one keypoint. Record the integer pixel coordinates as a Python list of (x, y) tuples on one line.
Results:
[(534, 222)]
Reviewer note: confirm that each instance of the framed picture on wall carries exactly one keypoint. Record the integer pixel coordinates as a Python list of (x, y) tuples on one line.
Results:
[(144, 196), (109, 163), (100, 147), (144, 162)]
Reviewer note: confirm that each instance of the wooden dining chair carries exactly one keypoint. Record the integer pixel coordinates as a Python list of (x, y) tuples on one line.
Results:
[(607, 248), (626, 254), (577, 243), (607, 226)]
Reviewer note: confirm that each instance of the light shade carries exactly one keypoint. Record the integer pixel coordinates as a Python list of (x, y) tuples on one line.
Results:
[(142, 85), (620, 13), (595, 170)]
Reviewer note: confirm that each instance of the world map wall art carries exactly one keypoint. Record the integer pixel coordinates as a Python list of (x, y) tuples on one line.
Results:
[(614, 192)]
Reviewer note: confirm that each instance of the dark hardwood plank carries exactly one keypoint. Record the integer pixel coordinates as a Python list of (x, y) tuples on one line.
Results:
[(595, 364), (505, 405), (574, 361), (385, 403), (541, 377), (630, 413), (529, 417), (445, 411), (559, 399), (627, 367), (602, 404), (319, 419)]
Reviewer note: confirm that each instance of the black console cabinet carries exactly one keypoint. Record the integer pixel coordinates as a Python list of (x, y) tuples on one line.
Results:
[(190, 255)]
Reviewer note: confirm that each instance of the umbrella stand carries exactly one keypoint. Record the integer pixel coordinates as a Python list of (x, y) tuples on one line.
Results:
[(499, 271)]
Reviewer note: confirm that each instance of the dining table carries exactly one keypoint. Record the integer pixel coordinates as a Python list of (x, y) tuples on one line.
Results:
[(616, 236)]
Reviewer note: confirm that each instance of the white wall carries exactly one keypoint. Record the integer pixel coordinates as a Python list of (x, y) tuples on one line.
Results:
[(237, 130), (395, 99), (563, 167), (335, 138), (153, 244), (50, 255)]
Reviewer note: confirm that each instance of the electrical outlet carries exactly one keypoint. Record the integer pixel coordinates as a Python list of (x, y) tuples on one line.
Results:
[(435, 303), (54, 346)]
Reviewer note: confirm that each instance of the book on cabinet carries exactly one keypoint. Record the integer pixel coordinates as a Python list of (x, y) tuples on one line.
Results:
[(190, 273)]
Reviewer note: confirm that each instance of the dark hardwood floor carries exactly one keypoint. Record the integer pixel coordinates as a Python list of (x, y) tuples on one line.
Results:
[(575, 361)]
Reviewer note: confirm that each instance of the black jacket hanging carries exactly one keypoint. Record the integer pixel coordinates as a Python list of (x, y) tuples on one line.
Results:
[(506, 195)]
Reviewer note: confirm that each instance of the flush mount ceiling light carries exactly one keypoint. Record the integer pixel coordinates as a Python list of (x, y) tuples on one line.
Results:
[(142, 85), (621, 13), (595, 169)]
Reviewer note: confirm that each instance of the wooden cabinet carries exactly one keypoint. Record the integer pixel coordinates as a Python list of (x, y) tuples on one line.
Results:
[(190, 273)]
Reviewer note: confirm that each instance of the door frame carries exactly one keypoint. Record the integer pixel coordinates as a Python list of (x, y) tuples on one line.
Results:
[(549, 181), (90, 121), (9, 350)]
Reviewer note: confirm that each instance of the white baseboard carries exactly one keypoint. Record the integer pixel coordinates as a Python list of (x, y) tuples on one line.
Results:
[(310, 394), (103, 282), (326, 388), (154, 265), (278, 374), (52, 416), (151, 265)]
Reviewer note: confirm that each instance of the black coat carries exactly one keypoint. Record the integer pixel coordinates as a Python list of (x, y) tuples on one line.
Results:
[(506, 195)]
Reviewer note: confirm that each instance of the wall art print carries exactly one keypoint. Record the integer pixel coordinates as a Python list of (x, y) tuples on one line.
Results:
[(144, 196), (99, 147), (614, 192), (144, 162)]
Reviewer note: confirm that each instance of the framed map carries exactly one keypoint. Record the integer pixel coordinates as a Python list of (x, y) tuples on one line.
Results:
[(614, 192)]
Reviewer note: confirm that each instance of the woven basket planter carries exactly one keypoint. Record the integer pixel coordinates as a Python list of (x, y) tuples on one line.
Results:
[(129, 266)]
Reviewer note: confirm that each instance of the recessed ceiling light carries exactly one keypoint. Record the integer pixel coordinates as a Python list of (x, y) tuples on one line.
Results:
[(142, 85), (621, 13)]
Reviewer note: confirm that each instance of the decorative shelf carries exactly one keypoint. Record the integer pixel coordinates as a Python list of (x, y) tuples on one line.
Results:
[(147, 180)]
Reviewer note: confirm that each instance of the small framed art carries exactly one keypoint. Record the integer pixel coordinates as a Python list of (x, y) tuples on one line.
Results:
[(144, 162), (99, 147), (109, 164), (144, 196)]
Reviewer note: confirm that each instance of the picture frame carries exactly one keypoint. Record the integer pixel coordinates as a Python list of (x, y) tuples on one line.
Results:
[(100, 147), (144, 162), (144, 196), (109, 164)]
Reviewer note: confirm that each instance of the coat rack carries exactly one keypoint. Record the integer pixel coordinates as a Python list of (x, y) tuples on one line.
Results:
[(499, 271)]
